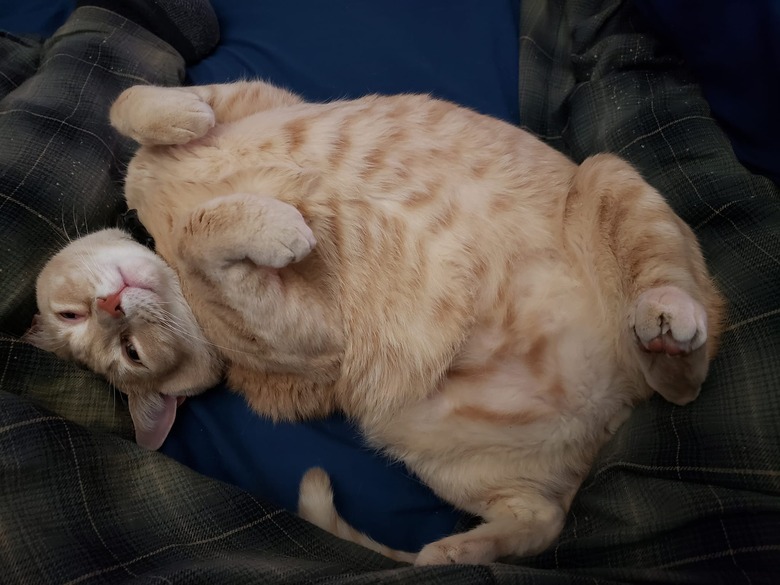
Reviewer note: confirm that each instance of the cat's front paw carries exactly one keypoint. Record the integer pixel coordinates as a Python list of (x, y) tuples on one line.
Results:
[(161, 115), (667, 320), (284, 237), (261, 229)]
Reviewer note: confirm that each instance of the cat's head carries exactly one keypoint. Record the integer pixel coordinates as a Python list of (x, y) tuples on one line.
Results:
[(111, 304)]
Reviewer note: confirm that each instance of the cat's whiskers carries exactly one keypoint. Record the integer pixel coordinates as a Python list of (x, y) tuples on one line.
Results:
[(86, 222), (57, 346), (75, 222), (65, 236), (114, 390), (89, 265), (52, 341), (50, 250), (168, 320)]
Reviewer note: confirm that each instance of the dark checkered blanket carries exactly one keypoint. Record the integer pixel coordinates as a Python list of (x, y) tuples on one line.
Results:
[(681, 495)]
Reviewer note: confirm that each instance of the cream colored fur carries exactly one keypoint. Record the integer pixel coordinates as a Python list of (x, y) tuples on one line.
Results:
[(486, 310)]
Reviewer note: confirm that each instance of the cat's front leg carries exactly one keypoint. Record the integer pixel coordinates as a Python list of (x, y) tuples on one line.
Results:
[(256, 288), (244, 226)]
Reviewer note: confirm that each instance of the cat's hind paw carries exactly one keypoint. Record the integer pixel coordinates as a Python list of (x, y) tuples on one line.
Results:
[(161, 115), (671, 332), (667, 320), (458, 550)]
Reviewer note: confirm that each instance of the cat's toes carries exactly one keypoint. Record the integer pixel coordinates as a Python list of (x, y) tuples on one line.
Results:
[(667, 320), (293, 244), (458, 550), (287, 238), (302, 243), (161, 115)]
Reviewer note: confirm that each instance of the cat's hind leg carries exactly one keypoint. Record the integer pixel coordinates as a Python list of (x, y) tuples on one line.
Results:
[(153, 115), (522, 525), (233, 101), (672, 310)]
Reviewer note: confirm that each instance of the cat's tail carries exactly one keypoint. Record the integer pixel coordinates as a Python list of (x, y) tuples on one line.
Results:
[(315, 505)]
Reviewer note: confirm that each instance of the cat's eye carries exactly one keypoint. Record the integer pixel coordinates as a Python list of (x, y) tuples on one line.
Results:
[(131, 352), (70, 316)]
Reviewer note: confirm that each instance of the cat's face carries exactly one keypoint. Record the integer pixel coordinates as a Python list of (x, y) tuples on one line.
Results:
[(111, 304)]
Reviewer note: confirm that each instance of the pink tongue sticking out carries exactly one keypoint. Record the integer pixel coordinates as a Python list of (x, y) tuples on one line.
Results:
[(151, 432)]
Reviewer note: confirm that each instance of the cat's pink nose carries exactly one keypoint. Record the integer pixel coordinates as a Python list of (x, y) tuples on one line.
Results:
[(112, 304)]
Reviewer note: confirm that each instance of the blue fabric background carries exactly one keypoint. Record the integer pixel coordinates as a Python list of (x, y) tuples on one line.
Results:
[(460, 50), (34, 17), (218, 436)]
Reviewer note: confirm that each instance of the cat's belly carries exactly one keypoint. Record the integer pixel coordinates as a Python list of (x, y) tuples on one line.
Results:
[(504, 408), (504, 389), (505, 425), (465, 452)]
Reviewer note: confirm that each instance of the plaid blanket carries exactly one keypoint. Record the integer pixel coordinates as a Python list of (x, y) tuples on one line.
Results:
[(681, 495)]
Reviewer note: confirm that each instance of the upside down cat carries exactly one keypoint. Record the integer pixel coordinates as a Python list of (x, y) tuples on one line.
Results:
[(483, 308)]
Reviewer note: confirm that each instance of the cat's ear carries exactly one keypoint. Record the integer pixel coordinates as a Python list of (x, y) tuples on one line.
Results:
[(153, 416), (36, 335)]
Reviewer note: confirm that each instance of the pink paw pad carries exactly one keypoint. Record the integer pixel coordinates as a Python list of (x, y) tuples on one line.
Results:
[(667, 320)]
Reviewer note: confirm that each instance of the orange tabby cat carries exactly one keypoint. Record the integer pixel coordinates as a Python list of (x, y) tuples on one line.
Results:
[(486, 310)]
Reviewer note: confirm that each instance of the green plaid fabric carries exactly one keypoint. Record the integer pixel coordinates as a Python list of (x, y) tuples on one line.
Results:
[(681, 495)]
